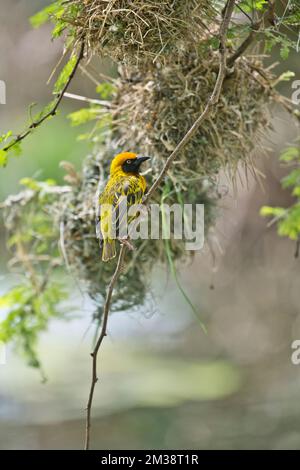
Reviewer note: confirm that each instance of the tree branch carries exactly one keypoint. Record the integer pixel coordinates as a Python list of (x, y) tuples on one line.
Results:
[(245, 44), (213, 100), (103, 333), (268, 14), (52, 111)]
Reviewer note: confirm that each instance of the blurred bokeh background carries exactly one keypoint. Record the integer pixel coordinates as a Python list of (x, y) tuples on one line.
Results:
[(164, 384)]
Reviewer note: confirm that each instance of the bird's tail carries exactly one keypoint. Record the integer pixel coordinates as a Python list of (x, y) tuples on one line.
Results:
[(109, 250)]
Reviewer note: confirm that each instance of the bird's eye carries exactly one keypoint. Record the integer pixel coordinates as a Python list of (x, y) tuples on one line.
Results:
[(128, 161)]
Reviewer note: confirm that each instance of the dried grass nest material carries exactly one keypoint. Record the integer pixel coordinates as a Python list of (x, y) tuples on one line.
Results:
[(136, 31), (76, 214), (156, 109)]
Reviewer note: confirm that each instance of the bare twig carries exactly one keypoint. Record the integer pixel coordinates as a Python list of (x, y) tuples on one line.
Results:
[(103, 333), (53, 110), (105, 104), (211, 102), (245, 44), (255, 27), (245, 13)]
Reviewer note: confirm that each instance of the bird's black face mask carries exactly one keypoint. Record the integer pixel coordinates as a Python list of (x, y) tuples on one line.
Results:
[(132, 165)]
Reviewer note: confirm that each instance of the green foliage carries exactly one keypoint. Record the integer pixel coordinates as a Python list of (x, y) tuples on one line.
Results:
[(60, 13), (44, 111), (285, 44), (15, 150), (3, 154), (65, 74), (106, 90), (280, 31), (84, 115), (5, 137), (253, 5), (32, 239), (28, 312), (288, 220), (95, 112), (101, 128), (3, 158), (53, 11), (13, 146)]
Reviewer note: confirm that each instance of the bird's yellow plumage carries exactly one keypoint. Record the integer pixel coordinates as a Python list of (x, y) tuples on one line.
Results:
[(124, 181)]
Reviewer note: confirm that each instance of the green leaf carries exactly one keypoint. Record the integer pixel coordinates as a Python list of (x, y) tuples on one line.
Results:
[(37, 186), (30, 183), (105, 90), (3, 158), (252, 5), (58, 29), (5, 137), (55, 9), (285, 51), (46, 110), (29, 313), (296, 191), (65, 74), (49, 182), (290, 154), (286, 76), (16, 149), (290, 226), (15, 297), (267, 211), (83, 116), (82, 137), (288, 223), (292, 179)]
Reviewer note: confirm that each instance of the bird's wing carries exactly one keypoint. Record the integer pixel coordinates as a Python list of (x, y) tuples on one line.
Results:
[(131, 189), (128, 193)]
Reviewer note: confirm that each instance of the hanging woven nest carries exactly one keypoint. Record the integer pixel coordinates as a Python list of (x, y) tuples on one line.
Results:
[(156, 109), (137, 31)]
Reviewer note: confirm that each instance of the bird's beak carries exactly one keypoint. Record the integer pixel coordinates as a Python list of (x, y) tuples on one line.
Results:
[(139, 161), (142, 159)]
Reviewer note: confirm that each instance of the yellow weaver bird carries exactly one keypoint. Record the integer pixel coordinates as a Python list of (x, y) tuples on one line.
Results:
[(125, 181)]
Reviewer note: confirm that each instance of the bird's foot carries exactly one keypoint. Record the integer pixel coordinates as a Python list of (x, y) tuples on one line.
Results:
[(126, 242)]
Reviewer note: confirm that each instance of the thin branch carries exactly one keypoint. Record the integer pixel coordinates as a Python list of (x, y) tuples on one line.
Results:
[(103, 333), (53, 111), (255, 27), (245, 44), (245, 13), (213, 100), (105, 104)]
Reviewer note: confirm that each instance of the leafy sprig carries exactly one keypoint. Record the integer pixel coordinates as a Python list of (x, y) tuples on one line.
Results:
[(288, 219)]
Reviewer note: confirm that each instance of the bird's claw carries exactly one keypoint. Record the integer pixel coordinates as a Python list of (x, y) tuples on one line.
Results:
[(126, 242)]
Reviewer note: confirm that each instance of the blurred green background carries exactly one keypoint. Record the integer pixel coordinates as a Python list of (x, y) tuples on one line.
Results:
[(164, 384)]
